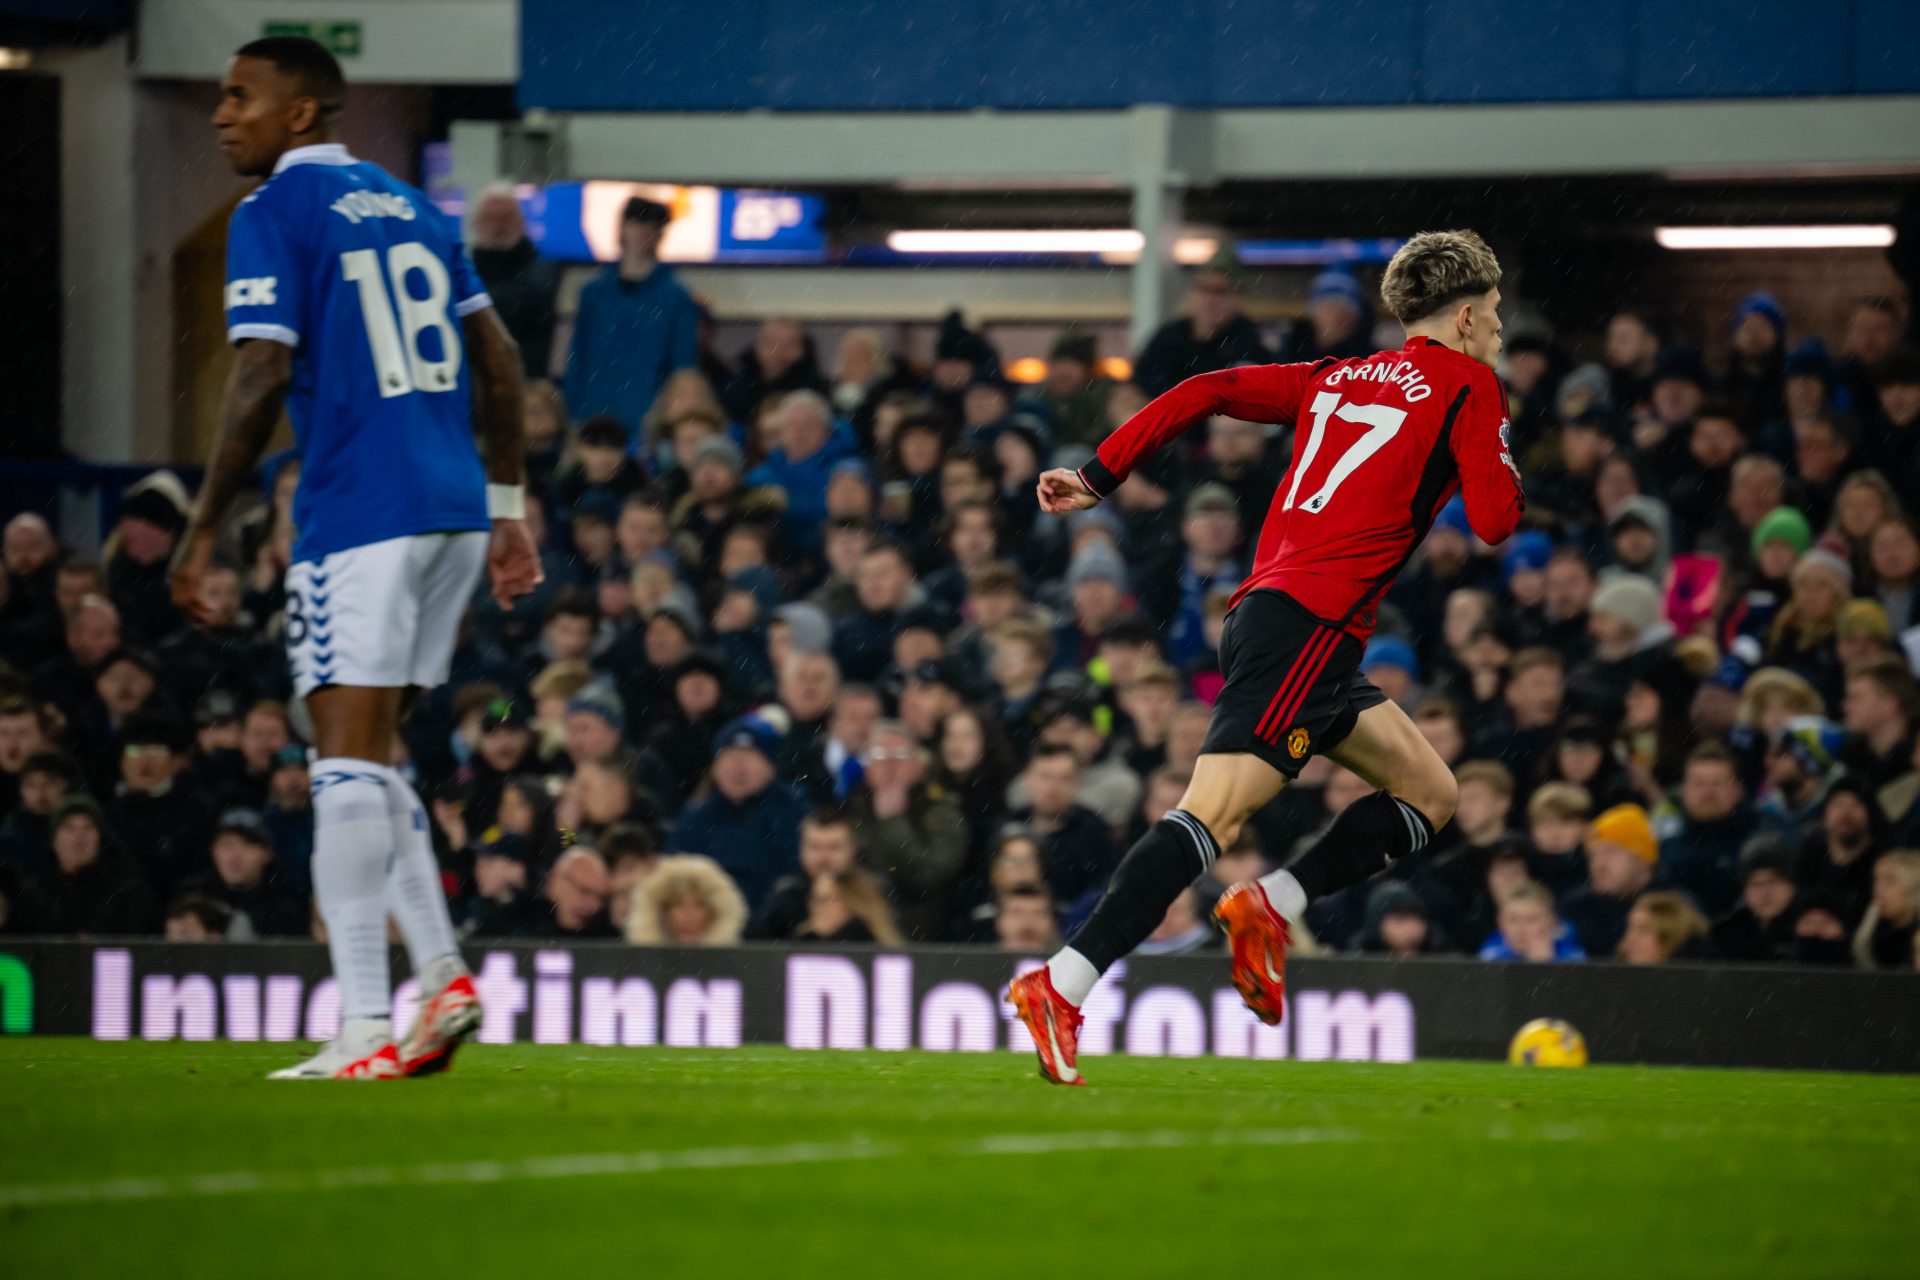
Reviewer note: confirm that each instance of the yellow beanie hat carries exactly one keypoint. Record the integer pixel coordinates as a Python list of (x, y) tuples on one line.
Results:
[(1628, 826)]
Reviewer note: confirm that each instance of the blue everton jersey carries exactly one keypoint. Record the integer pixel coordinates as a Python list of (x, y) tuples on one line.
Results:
[(367, 282)]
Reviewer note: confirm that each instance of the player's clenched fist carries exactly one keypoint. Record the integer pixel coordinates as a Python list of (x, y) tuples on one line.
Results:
[(1062, 490), (513, 563)]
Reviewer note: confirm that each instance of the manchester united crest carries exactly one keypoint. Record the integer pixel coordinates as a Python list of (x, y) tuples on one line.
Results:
[(1297, 743)]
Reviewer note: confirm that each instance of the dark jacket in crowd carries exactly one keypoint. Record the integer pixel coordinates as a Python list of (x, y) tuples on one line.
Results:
[(923, 854), (103, 899), (1076, 857), (1703, 858), (524, 288), (628, 338), (755, 842), (1741, 935), (167, 833), (1173, 354), (274, 908)]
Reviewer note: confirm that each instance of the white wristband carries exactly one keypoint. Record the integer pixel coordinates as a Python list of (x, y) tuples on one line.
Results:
[(506, 502)]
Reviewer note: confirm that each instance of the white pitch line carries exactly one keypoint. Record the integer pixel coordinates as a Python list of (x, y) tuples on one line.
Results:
[(618, 1163)]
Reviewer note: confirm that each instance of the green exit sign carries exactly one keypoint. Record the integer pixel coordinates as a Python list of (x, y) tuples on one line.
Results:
[(342, 39)]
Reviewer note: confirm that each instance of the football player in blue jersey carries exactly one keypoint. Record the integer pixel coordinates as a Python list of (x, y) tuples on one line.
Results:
[(352, 303)]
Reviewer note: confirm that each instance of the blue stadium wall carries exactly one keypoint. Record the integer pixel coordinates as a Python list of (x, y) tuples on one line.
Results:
[(815, 55)]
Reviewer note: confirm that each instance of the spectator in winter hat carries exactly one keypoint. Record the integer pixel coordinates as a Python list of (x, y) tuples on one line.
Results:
[(1679, 389), (1754, 375), (595, 721), (153, 515), (1523, 567), (1585, 395), (1390, 663), (1399, 923), (1802, 634), (1760, 928), (1861, 632), (1638, 532), (750, 822), (249, 880), (1622, 862), (1802, 755), (1097, 586), (93, 889), (1336, 324), (1623, 612)]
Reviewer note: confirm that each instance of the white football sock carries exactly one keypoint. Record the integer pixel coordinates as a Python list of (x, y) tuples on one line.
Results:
[(1072, 975), (414, 894), (352, 848), (1285, 893)]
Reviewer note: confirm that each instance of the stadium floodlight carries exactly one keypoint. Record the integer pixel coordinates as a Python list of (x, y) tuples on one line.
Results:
[(1114, 241), (1855, 236)]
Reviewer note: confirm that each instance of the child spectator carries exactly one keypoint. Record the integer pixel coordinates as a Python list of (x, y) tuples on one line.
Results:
[(1530, 930)]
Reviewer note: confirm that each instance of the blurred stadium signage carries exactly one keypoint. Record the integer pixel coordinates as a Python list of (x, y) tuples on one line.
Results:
[(949, 1000), (580, 221), (342, 39)]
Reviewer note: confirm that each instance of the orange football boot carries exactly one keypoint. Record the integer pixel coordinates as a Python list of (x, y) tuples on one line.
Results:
[(1259, 937), (1053, 1023), (448, 1018)]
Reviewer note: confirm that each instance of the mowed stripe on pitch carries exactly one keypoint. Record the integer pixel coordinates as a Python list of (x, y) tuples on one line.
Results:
[(618, 1163)]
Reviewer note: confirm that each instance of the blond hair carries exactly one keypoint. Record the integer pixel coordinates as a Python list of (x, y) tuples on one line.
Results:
[(1674, 919), (861, 892), (1434, 270), (1560, 800)]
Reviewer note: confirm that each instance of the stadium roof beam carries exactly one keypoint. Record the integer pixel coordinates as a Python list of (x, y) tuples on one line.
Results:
[(1086, 148), (1156, 153)]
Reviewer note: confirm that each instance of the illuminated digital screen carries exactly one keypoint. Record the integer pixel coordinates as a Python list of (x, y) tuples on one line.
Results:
[(580, 221)]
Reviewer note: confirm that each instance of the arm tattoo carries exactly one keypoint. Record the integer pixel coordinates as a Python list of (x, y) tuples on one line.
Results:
[(249, 410), (496, 393)]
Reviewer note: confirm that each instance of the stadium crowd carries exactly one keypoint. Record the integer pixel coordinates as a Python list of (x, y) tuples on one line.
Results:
[(808, 663)]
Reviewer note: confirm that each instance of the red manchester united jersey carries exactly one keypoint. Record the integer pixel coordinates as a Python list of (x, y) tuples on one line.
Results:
[(1379, 446)]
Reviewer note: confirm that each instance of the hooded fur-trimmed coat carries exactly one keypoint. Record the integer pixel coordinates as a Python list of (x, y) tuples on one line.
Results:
[(676, 874)]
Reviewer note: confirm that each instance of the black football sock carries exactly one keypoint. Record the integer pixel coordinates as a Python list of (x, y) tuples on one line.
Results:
[(1155, 871), (1369, 833)]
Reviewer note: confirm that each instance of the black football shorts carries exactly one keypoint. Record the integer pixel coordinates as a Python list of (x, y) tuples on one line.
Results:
[(1293, 683)]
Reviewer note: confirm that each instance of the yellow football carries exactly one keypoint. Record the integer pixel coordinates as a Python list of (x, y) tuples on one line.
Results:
[(1548, 1042)]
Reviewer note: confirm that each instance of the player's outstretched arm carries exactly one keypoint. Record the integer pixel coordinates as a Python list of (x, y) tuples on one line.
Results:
[(1253, 393), (249, 409), (1061, 490), (513, 562)]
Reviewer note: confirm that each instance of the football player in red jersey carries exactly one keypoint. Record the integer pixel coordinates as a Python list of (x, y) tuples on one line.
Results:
[(1380, 444)]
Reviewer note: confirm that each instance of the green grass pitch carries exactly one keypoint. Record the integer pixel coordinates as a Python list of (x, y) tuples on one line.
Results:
[(142, 1160)]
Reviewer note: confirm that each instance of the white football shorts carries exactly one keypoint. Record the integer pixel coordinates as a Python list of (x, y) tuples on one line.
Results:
[(384, 615)]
